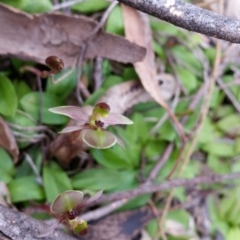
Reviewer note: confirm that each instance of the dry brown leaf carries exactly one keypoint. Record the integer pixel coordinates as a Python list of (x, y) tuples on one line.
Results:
[(35, 37), (7, 140), (137, 30)]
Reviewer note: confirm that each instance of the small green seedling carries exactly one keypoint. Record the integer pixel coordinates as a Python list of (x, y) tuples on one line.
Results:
[(66, 209), (92, 121)]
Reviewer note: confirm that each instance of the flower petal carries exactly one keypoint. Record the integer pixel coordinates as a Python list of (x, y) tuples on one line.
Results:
[(66, 201), (77, 113), (49, 230), (71, 129), (98, 139), (90, 200), (115, 118)]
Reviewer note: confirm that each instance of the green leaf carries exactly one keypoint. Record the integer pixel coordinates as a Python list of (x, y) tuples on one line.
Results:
[(180, 216), (6, 166), (133, 133), (92, 100), (218, 165), (219, 148), (230, 124), (96, 179), (207, 131), (187, 57), (8, 97), (31, 104), (114, 158), (21, 88), (188, 79), (233, 233), (115, 22), (90, 6), (55, 181), (22, 120), (65, 87), (111, 80), (25, 188), (31, 6), (164, 27)]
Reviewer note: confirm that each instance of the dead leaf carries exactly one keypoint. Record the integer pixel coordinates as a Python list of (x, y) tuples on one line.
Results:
[(137, 30), (7, 140), (125, 95), (35, 37)]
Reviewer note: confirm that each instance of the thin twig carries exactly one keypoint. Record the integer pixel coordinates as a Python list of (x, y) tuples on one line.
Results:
[(229, 94), (165, 156), (167, 185), (66, 4), (34, 168), (103, 211), (84, 46)]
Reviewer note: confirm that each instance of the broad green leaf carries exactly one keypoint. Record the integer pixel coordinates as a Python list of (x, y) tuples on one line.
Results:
[(207, 132), (129, 73), (37, 6), (136, 202), (111, 80), (30, 6), (25, 188), (65, 87), (230, 124), (159, 50), (96, 179), (133, 132), (160, 26), (154, 149), (217, 98), (55, 181), (219, 148), (31, 104), (6, 166), (218, 165), (188, 79), (180, 216), (92, 100), (115, 22), (21, 88), (22, 120), (114, 158), (233, 233), (8, 97), (187, 57), (90, 6)]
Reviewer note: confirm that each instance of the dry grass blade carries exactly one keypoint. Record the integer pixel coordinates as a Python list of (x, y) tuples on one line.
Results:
[(137, 30), (7, 140)]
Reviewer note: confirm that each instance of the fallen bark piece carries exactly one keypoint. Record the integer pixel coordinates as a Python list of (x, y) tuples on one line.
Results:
[(17, 225), (35, 37)]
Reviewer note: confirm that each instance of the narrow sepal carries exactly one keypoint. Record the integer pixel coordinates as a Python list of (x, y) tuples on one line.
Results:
[(115, 118), (71, 129), (77, 113)]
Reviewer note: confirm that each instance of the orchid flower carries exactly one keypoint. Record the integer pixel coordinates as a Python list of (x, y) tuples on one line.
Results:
[(93, 121), (66, 209)]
